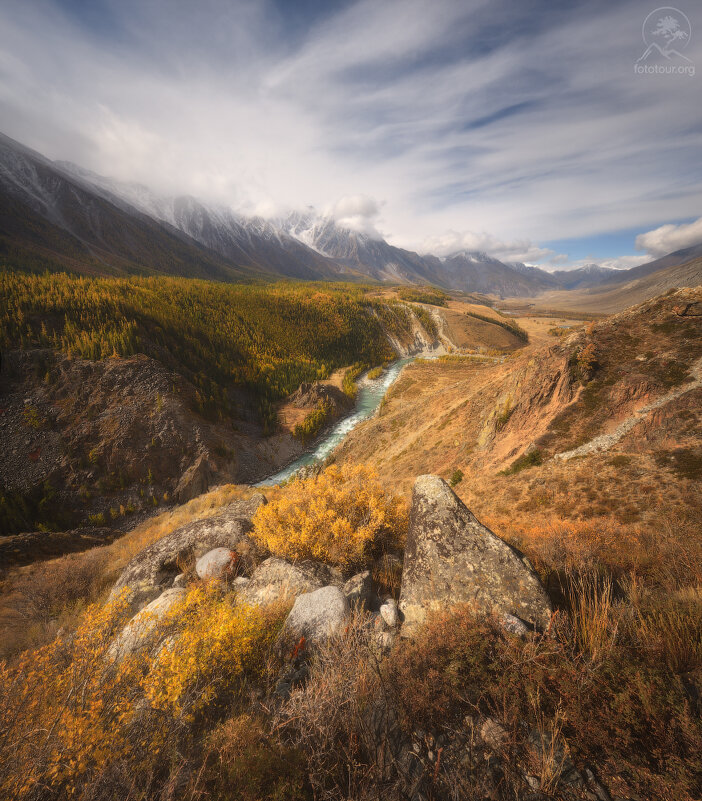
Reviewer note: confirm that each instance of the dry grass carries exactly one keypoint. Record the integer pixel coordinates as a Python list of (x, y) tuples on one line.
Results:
[(594, 614), (671, 631), (42, 599)]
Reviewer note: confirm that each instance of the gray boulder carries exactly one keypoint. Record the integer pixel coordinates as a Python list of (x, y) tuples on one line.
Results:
[(359, 589), (275, 578), (451, 559), (140, 630), (316, 616), (157, 565), (216, 564)]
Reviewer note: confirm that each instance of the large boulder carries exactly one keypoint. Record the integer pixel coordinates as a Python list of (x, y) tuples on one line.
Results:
[(155, 568), (315, 616), (195, 480), (451, 559), (275, 578), (142, 628)]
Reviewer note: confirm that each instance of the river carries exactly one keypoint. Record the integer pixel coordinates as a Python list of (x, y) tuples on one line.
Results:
[(370, 394)]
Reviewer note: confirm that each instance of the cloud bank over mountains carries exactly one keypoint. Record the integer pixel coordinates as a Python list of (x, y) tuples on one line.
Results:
[(430, 121)]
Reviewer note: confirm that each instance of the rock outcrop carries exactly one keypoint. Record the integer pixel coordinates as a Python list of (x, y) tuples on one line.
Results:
[(315, 616), (451, 558), (310, 394), (275, 578), (155, 568), (195, 480), (144, 625)]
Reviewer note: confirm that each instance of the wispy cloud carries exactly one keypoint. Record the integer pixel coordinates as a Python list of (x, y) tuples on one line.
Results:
[(523, 120)]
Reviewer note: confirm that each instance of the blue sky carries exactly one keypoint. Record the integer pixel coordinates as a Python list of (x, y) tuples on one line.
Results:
[(520, 128)]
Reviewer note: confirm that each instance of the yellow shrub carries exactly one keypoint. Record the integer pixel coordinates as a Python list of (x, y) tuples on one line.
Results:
[(213, 646), (69, 710), (62, 711), (342, 516)]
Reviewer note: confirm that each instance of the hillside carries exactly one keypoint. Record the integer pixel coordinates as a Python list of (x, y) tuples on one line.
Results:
[(532, 633), (50, 220), (119, 395), (519, 417)]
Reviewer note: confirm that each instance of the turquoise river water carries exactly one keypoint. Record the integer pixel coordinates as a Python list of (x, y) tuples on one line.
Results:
[(370, 394)]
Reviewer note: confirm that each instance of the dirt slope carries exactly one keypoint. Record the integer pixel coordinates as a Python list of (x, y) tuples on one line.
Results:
[(484, 419)]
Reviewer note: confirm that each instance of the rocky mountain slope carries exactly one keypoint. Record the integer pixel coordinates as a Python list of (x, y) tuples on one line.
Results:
[(49, 218), (505, 426), (62, 216)]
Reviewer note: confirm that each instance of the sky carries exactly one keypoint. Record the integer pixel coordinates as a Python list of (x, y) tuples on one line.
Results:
[(521, 128)]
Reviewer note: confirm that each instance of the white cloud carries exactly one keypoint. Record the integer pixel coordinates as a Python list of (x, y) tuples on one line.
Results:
[(667, 238), (517, 250), (548, 135), (357, 213)]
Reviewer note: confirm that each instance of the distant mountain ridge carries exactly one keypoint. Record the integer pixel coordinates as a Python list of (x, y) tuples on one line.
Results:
[(63, 216)]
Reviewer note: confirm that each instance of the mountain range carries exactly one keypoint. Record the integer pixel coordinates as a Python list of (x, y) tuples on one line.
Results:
[(58, 215)]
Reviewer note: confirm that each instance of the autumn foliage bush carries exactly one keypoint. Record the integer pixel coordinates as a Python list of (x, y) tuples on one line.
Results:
[(75, 721), (342, 516)]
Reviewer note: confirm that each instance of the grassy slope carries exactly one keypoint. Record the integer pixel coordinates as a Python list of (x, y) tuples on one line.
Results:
[(480, 418)]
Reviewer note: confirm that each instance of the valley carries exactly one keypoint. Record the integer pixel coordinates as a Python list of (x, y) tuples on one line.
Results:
[(575, 443), (350, 401)]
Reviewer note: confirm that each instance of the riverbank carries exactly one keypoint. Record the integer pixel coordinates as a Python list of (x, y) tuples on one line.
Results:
[(370, 395)]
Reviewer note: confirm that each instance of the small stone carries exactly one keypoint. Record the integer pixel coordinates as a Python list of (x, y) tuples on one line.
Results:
[(216, 564), (514, 625), (179, 581), (492, 733), (388, 611), (379, 624)]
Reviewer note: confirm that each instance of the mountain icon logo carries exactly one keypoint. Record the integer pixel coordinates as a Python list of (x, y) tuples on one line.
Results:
[(666, 32)]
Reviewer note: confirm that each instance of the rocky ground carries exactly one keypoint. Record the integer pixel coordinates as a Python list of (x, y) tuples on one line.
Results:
[(450, 559)]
